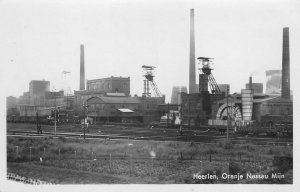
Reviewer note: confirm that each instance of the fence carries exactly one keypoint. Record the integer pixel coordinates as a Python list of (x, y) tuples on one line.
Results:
[(25, 154), (138, 163)]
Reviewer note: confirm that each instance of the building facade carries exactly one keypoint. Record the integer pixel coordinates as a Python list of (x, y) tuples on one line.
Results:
[(176, 94), (150, 108), (197, 108), (115, 109), (266, 108), (257, 87), (223, 88), (110, 85), (37, 91)]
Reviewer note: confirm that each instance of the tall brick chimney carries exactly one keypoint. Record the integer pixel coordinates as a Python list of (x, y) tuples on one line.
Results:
[(250, 82), (82, 74), (192, 74), (285, 87)]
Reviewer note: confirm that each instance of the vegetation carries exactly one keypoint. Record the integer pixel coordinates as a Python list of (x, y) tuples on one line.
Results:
[(115, 161)]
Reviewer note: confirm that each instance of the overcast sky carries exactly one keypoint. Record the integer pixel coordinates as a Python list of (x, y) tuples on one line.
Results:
[(40, 39)]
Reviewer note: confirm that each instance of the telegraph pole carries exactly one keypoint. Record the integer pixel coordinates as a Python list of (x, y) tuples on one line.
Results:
[(54, 111), (55, 117), (168, 115), (227, 110), (189, 113), (85, 108), (37, 121)]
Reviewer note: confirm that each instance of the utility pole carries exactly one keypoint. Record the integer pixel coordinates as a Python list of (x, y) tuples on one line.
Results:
[(54, 111), (227, 109), (30, 153), (85, 110), (55, 118), (37, 122), (168, 115), (189, 112)]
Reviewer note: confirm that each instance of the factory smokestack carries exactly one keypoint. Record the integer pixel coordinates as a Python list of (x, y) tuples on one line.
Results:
[(82, 74), (192, 75), (285, 88), (250, 82)]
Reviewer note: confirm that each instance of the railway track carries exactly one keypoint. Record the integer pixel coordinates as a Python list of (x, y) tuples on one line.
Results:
[(198, 138)]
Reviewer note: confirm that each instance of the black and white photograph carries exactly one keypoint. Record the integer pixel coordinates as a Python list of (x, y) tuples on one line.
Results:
[(111, 93)]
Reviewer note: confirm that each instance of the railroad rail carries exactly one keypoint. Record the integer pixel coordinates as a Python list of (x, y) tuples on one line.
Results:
[(197, 138)]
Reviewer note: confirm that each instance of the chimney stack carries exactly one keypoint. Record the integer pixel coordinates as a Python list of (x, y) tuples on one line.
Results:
[(250, 82), (285, 87), (82, 74), (192, 75)]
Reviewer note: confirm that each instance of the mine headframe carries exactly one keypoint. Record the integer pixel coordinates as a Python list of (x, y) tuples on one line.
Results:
[(149, 81), (206, 71)]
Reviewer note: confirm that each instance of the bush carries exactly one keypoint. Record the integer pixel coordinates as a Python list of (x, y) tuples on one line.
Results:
[(283, 163), (234, 168)]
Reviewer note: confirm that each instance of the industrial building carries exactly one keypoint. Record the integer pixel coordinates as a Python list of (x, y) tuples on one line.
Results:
[(37, 90), (11, 102), (224, 88), (257, 87), (176, 94), (24, 99), (265, 109), (121, 108), (206, 103), (251, 105), (109, 100), (38, 100), (11, 106), (254, 106), (115, 109), (110, 85)]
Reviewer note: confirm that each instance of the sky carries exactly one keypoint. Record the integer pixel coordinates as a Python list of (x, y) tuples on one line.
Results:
[(41, 39)]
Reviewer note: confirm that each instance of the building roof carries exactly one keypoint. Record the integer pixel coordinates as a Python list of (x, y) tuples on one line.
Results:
[(107, 78), (116, 94), (259, 99), (132, 100), (39, 81), (88, 92), (279, 99)]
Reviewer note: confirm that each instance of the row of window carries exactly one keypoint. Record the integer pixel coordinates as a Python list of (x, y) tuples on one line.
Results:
[(98, 86), (102, 86)]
